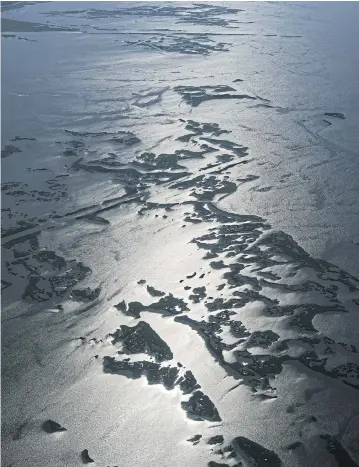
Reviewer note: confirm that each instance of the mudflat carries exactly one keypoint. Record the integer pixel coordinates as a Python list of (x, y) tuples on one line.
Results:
[(180, 234)]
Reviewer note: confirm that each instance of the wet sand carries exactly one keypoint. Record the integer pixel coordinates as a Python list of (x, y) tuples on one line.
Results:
[(179, 235)]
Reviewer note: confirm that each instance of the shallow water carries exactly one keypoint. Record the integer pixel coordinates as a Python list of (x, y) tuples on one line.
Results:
[(180, 234)]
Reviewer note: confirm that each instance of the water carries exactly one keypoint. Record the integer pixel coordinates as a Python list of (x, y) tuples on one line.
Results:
[(192, 167)]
